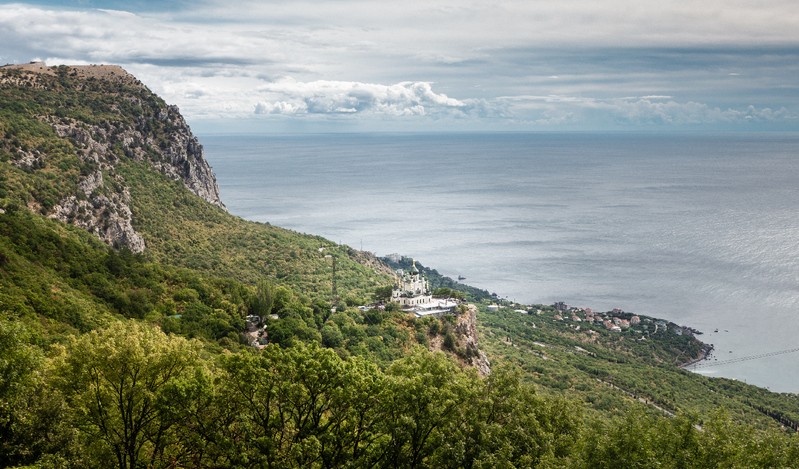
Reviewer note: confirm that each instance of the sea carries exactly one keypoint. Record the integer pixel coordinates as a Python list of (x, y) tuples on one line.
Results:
[(698, 229)]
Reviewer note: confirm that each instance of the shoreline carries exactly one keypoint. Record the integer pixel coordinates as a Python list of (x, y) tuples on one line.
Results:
[(705, 354)]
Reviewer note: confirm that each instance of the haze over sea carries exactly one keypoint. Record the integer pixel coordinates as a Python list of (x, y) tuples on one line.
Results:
[(700, 229)]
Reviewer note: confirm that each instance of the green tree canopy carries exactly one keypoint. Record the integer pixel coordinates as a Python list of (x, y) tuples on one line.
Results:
[(116, 382)]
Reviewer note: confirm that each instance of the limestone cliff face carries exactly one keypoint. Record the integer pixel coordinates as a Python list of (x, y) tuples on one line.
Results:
[(181, 157), (106, 215), (466, 348), (134, 124), (467, 329)]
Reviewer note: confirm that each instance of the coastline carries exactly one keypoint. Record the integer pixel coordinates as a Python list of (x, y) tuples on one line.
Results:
[(598, 220), (705, 354)]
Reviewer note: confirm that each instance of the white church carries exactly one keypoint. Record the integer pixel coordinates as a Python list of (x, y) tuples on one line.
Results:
[(413, 295)]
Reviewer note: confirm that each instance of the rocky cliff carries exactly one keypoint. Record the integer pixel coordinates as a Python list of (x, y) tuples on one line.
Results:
[(102, 115), (467, 330), (465, 346)]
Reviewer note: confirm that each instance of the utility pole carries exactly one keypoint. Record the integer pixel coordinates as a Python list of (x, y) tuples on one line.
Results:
[(335, 290)]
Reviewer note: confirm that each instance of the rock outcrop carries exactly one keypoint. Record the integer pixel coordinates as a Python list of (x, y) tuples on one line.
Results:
[(464, 347), (467, 330), (136, 125), (179, 156), (107, 216)]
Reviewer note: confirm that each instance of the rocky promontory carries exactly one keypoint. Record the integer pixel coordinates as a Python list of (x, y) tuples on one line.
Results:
[(136, 125)]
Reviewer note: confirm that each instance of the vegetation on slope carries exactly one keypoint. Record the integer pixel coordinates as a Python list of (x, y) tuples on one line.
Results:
[(58, 281), (613, 371), (65, 281), (180, 228)]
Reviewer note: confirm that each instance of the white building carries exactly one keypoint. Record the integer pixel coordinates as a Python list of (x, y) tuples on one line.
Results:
[(413, 295), (412, 290)]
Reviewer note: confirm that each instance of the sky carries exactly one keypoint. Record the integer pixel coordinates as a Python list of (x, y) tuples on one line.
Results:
[(436, 65)]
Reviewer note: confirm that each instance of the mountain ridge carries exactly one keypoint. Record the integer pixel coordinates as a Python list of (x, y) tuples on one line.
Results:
[(81, 142), (99, 145)]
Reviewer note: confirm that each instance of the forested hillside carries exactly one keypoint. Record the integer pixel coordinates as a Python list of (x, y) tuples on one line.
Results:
[(93, 147), (142, 325), (613, 371)]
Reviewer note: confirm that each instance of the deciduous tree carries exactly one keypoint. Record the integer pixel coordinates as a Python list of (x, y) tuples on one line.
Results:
[(115, 382)]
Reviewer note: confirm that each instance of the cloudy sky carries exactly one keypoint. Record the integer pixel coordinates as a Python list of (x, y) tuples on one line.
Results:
[(353, 65)]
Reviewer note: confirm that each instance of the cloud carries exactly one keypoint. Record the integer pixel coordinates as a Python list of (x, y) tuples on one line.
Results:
[(636, 111), (123, 37), (289, 96), (507, 61), (646, 110), (471, 24)]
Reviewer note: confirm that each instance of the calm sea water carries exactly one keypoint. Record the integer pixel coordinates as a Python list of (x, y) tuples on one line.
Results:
[(699, 229)]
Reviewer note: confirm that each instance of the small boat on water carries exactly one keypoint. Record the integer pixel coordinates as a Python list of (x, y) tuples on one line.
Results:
[(461, 277)]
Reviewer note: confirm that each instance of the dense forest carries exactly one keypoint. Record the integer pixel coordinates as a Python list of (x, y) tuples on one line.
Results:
[(227, 343), (130, 395)]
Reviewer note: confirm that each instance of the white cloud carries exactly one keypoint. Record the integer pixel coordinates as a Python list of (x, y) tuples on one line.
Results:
[(279, 107), (667, 111), (289, 96)]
